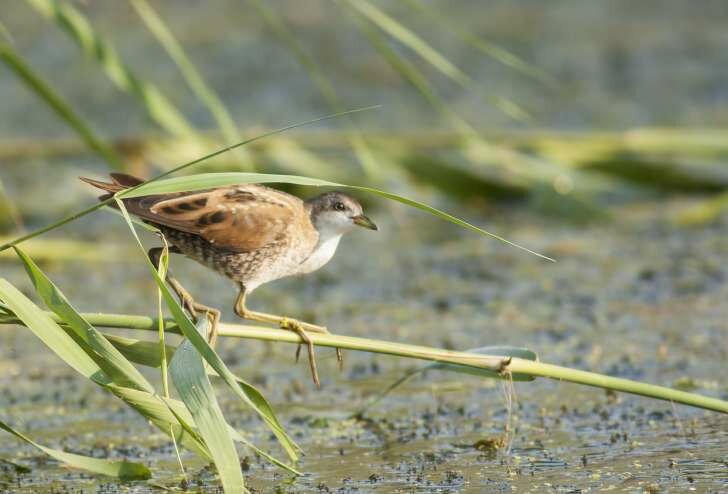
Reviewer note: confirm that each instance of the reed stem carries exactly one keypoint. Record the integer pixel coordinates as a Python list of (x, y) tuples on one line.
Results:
[(490, 362)]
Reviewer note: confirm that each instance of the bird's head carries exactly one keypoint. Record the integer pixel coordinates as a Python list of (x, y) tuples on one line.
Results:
[(335, 213)]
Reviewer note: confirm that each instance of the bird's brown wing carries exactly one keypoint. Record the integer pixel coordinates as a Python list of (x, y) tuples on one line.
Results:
[(241, 218)]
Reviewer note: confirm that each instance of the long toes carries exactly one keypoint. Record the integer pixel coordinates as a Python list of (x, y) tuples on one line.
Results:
[(296, 326), (312, 361)]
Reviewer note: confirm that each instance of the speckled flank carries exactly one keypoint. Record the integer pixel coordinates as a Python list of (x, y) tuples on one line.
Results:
[(254, 268)]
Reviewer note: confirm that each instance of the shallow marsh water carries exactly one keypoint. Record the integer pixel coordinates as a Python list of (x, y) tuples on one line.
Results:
[(635, 297)]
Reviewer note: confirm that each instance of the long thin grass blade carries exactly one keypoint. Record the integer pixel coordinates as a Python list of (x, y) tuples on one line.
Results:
[(247, 393), (211, 180), (362, 150), (121, 371), (159, 108), (99, 205), (194, 79), (124, 470), (55, 102), (474, 147), (422, 48), (494, 51), (408, 38), (189, 377)]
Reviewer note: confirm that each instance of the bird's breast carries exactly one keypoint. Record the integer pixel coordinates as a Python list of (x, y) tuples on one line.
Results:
[(322, 253)]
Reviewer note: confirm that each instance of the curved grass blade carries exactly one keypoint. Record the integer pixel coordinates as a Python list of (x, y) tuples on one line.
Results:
[(101, 204), (54, 101), (187, 370), (110, 359), (177, 406), (51, 333), (77, 354), (168, 415), (159, 108), (124, 470), (210, 180), (248, 393), (505, 351), (113, 362), (138, 351)]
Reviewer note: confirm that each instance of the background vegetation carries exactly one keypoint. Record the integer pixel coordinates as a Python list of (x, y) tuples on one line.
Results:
[(583, 135)]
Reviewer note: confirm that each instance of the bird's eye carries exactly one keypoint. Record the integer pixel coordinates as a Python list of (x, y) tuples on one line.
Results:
[(339, 206)]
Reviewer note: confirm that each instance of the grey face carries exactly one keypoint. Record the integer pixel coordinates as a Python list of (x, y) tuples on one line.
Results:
[(338, 212)]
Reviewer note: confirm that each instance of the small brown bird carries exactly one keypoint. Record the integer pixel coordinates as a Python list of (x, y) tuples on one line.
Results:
[(249, 233)]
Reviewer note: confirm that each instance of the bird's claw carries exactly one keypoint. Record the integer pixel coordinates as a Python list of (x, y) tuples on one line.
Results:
[(188, 303), (291, 324), (299, 327)]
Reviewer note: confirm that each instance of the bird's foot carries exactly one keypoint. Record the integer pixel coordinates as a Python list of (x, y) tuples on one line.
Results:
[(213, 316), (296, 325), (299, 327)]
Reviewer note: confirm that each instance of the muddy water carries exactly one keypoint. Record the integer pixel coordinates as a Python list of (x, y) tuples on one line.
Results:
[(634, 297)]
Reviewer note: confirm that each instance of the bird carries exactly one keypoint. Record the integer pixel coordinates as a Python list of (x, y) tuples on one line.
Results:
[(251, 234)]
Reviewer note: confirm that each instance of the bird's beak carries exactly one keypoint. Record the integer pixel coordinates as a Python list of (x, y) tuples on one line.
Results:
[(362, 220)]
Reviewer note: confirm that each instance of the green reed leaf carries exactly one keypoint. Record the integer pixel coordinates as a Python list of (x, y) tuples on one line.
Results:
[(187, 370), (51, 333), (109, 358), (138, 351), (123, 470), (80, 355)]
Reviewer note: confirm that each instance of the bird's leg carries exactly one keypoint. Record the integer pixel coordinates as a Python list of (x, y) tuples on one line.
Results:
[(185, 298), (213, 316), (299, 327)]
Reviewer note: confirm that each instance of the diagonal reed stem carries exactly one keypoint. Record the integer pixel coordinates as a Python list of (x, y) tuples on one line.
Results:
[(490, 362)]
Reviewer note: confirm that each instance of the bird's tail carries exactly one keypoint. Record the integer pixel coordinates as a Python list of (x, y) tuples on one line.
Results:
[(119, 181)]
